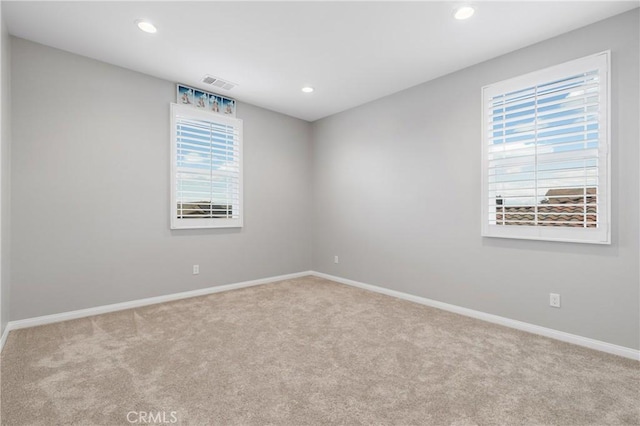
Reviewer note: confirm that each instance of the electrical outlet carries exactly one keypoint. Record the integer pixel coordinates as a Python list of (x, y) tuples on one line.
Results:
[(554, 300), (335, 259), (196, 269)]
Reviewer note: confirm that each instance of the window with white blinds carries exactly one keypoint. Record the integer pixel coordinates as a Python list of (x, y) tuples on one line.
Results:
[(206, 169), (545, 147)]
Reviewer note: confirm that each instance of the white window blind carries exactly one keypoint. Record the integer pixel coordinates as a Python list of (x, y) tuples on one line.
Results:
[(206, 169), (546, 154)]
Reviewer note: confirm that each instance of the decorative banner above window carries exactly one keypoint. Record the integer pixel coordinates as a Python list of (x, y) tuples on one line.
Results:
[(205, 101)]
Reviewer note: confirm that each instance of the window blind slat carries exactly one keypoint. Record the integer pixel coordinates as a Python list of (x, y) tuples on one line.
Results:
[(528, 109)]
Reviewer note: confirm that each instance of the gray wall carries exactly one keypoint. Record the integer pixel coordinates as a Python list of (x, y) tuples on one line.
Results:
[(90, 190), (397, 197), (5, 172)]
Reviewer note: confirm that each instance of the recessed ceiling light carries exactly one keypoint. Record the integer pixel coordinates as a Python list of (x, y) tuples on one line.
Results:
[(307, 89), (464, 12), (146, 26)]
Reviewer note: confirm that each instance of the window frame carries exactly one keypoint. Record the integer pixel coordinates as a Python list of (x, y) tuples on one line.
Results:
[(202, 223), (599, 235)]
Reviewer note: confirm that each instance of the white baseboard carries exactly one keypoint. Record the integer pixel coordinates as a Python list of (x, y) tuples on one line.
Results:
[(3, 339), (531, 328), (82, 313)]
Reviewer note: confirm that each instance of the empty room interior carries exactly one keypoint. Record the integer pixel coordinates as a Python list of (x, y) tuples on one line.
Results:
[(310, 213)]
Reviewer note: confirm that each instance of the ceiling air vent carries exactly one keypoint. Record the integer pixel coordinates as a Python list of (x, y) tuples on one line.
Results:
[(218, 82)]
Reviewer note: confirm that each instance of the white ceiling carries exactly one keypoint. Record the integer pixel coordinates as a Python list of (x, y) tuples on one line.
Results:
[(351, 52)]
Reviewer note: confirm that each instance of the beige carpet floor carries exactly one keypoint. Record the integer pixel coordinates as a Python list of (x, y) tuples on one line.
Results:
[(306, 352)]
